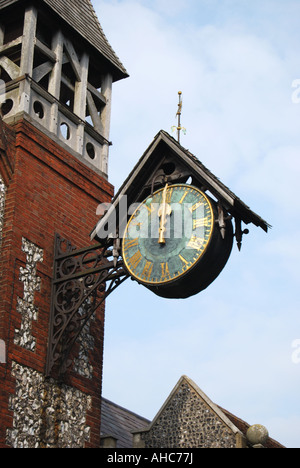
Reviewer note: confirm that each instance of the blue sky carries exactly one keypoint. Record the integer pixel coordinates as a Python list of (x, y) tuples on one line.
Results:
[(235, 62)]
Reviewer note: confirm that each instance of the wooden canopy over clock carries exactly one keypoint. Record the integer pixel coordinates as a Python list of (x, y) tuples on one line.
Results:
[(165, 159), (167, 177), (142, 235)]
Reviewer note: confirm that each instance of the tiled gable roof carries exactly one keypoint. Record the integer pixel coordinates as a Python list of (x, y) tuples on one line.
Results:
[(243, 426), (121, 424), (118, 422)]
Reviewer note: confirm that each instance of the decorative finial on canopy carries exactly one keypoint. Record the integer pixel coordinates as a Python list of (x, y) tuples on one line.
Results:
[(178, 115)]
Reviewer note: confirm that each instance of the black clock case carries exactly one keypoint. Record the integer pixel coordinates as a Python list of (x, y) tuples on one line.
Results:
[(206, 270)]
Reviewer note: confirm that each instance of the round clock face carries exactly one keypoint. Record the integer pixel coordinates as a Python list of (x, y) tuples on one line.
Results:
[(168, 234)]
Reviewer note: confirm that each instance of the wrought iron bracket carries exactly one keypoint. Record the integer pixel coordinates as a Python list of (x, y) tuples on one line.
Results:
[(82, 280)]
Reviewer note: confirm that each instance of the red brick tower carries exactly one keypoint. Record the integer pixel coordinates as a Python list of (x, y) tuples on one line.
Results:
[(56, 72)]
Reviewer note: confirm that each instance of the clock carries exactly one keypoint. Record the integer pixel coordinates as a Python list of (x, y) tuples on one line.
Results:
[(172, 243)]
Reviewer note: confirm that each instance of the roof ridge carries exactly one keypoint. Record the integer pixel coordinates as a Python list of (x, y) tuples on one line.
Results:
[(96, 18), (102, 31), (124, 409)]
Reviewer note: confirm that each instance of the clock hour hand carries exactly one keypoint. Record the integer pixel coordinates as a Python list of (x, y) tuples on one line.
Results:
[(164, 211)]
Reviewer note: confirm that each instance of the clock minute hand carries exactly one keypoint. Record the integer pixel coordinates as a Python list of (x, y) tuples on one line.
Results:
[(164, 211)]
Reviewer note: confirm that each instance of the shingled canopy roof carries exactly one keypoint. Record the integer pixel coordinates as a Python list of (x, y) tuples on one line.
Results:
[(81, 16), (152, 159)]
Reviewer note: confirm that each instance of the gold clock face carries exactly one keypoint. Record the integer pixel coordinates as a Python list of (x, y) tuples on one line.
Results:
[(168, 234)]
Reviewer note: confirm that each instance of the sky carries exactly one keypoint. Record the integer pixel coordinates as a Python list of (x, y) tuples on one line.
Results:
[(237, 64)]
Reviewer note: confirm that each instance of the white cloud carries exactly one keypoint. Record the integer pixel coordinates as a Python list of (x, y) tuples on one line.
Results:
[(277, 176), (167, 7), (236, 88)]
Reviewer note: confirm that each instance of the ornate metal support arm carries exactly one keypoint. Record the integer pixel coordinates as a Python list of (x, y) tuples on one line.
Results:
[(82, 280)]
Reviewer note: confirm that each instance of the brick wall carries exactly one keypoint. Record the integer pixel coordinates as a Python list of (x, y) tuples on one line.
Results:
[(50, 191), (2, 206)]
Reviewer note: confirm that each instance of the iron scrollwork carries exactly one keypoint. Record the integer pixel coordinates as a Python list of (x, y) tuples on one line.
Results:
[(82, 280)]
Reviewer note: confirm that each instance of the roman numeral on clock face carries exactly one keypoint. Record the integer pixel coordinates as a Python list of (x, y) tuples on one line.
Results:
[(135, 260), (165, 272), (203, 222), (129, 244), (147, 271)]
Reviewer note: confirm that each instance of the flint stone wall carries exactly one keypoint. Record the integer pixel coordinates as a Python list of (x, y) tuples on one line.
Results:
[(46, 414), (25, 306), (188, 422)]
